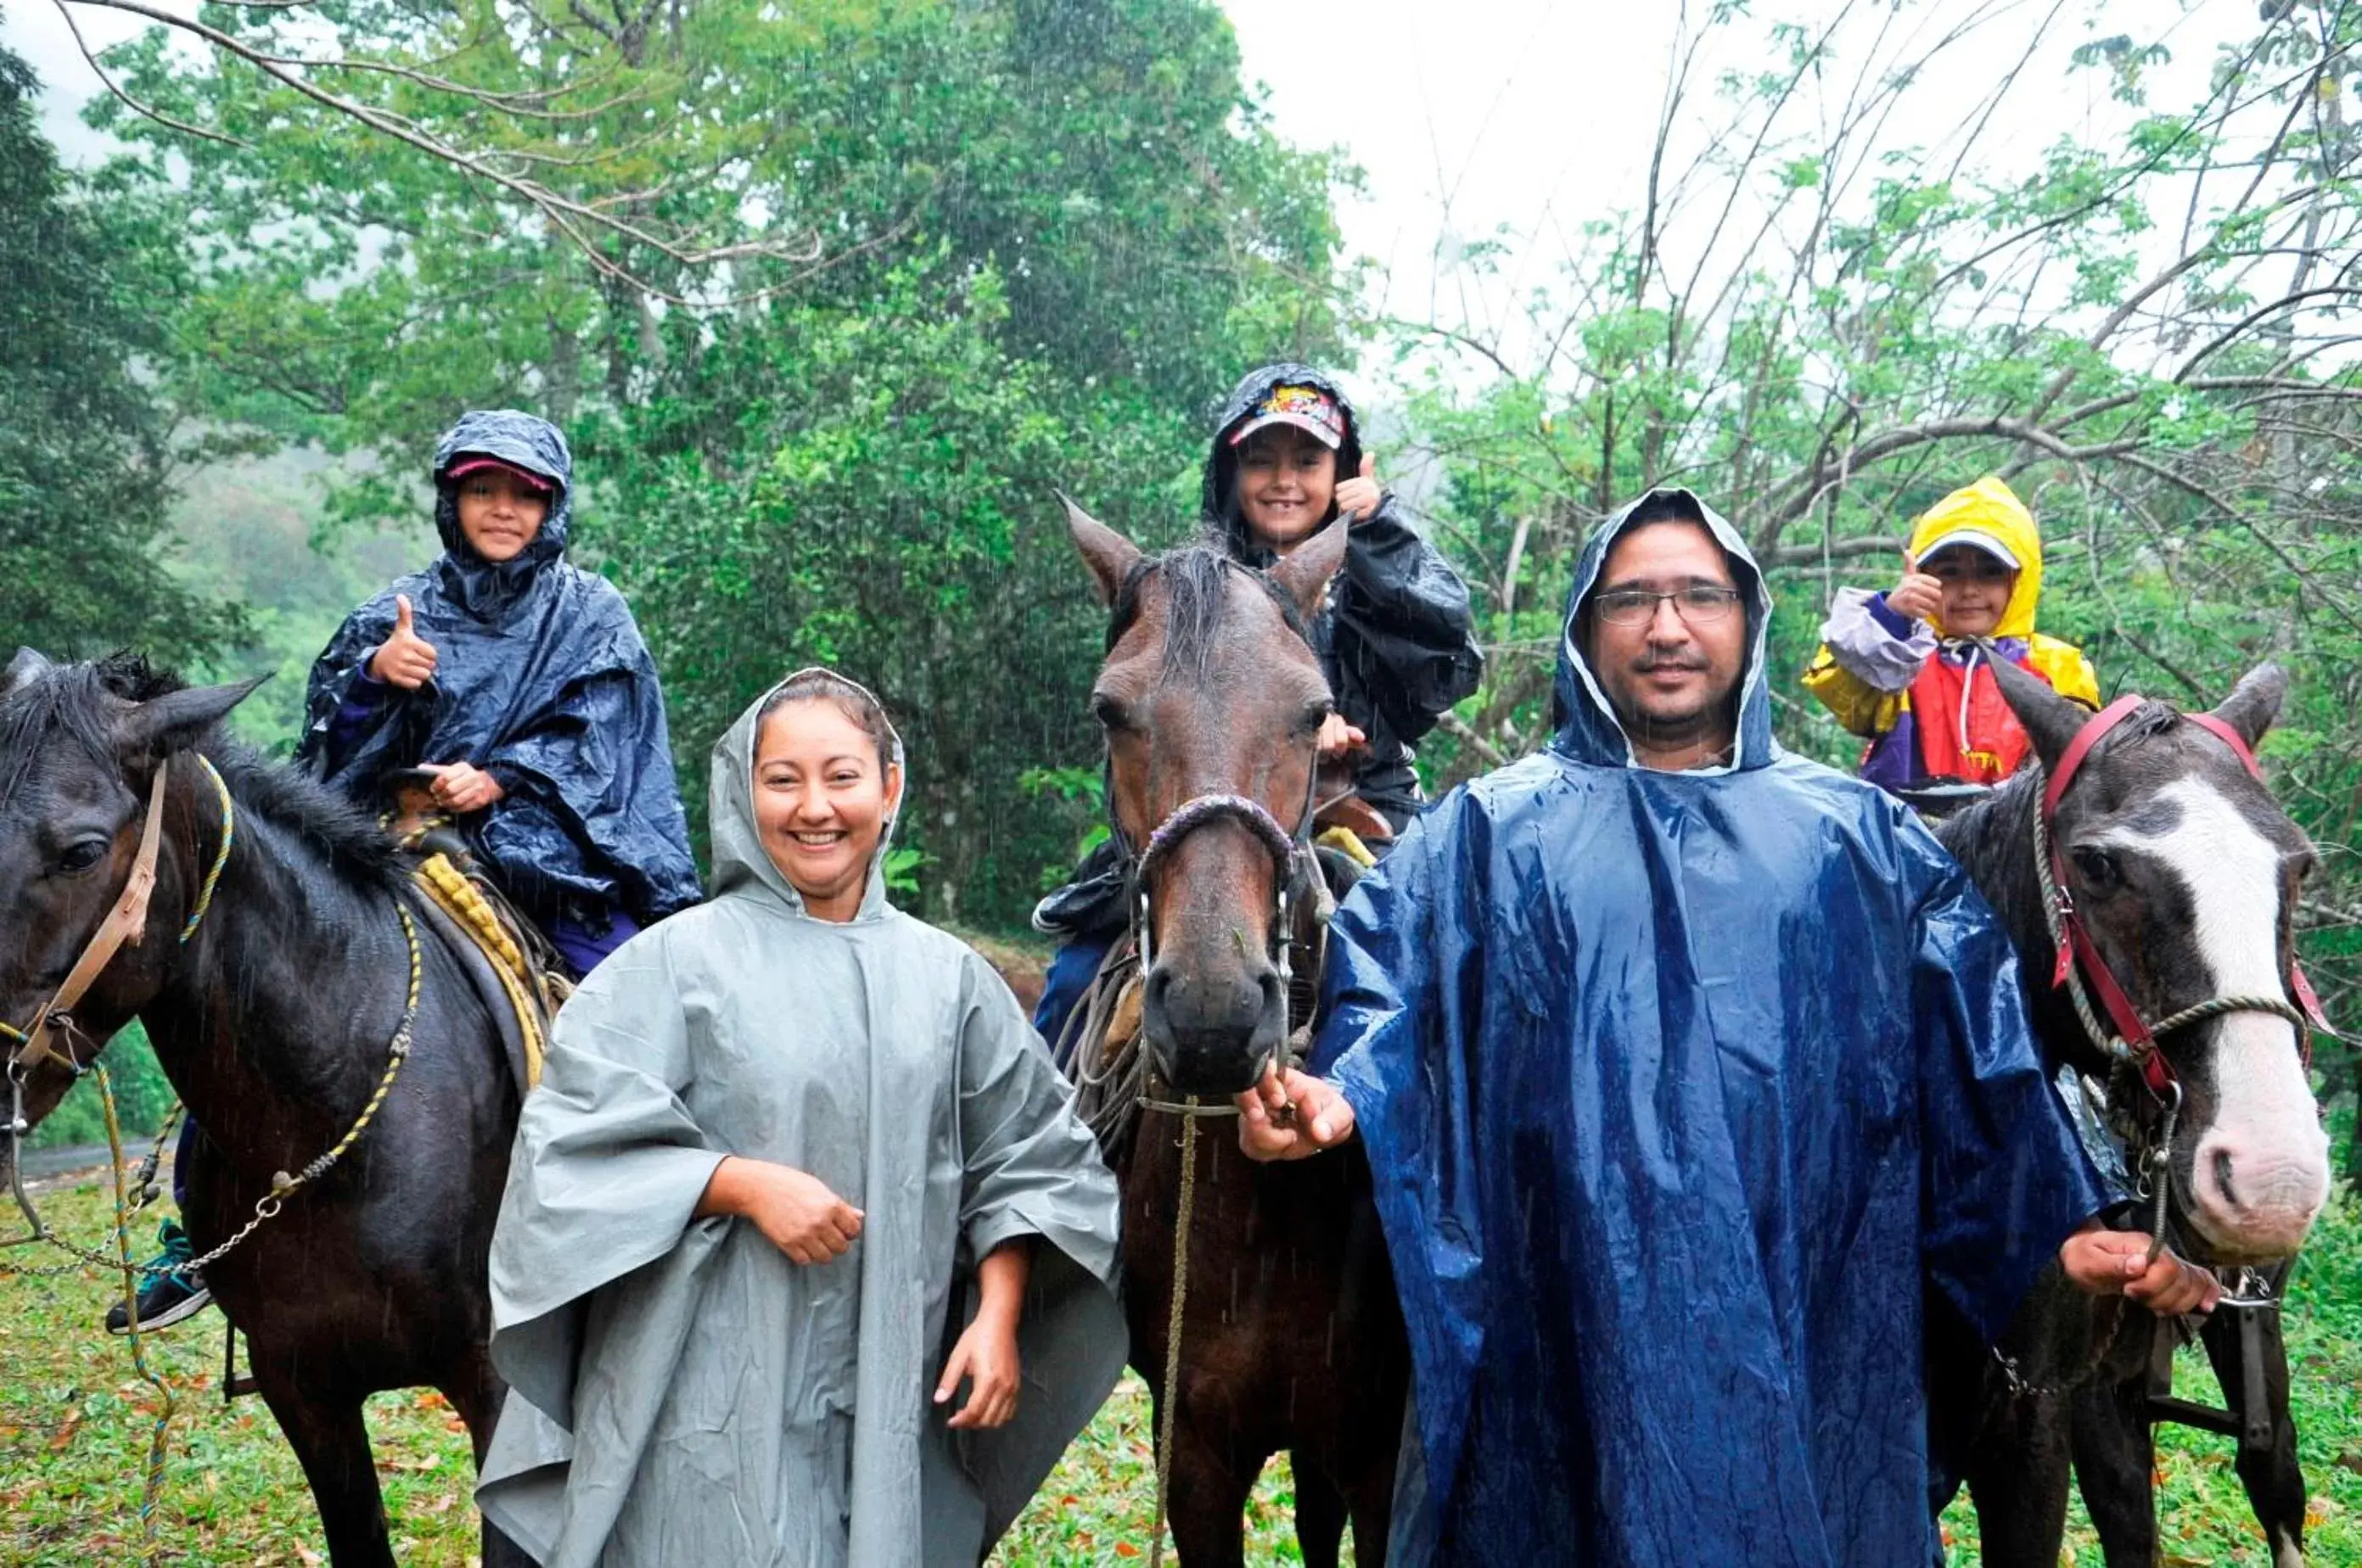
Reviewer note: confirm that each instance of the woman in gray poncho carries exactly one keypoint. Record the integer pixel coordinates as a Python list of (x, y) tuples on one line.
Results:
[(796, 1171)]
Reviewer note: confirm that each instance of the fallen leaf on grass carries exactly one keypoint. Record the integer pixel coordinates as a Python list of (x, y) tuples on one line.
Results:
[(65, 1434), (1126, 1548)]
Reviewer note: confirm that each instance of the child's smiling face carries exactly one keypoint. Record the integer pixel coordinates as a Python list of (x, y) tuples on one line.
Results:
[(1287, 479), (499, 513), (1976, 589)]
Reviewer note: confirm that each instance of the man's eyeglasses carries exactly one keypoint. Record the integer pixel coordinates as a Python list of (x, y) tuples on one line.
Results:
[(1700, 606)]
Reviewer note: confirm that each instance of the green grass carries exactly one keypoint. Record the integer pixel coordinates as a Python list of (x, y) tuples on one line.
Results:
[(2203, 1515), (74, 1420)]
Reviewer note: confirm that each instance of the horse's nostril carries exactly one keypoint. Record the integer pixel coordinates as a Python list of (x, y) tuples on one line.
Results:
[(2222, 1178)]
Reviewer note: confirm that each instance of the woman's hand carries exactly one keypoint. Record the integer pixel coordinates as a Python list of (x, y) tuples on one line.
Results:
[(794, 1210), (1358, 498), (405, 659), (2107, 1263), (986, 1356), (463, 787), (1292, 1116)]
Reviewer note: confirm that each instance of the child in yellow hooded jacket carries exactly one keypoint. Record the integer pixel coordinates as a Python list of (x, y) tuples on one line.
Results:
[(1900, 668)]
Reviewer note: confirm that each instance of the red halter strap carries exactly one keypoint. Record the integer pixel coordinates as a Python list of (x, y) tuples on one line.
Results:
[(2300, 987), (2079, 949)]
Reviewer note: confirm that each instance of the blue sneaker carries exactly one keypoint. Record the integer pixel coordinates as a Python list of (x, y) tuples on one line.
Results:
[(169, 1298)]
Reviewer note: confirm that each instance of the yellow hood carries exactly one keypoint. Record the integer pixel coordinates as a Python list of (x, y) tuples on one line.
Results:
[(1988, 506)]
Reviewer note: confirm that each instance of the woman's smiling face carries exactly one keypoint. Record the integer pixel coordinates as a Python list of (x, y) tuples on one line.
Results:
[(823, 797)]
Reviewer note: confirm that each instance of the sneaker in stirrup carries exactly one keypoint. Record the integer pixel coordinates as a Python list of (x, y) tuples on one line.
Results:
[(168, 1297)]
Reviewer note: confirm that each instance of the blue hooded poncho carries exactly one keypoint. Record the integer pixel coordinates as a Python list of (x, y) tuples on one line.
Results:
[(1677, 1088), (542, 680)]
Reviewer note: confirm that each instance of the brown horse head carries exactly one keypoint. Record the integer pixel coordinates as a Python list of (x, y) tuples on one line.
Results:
[(1213, 702), (2185, 872)]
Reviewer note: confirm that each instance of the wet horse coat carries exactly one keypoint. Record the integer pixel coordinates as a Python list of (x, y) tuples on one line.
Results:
[(2185, 872), (273, 1024), (1292, 1337)]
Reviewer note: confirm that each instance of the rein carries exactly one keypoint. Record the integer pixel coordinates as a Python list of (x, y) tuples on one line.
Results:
[(2126, 1038), (1291, 856), (126, 924)]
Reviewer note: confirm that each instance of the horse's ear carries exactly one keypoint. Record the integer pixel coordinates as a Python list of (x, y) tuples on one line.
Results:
[(2050, 720), (1304, 575), (28, 666), (164, 725), (1109, 554), (2254, 704)]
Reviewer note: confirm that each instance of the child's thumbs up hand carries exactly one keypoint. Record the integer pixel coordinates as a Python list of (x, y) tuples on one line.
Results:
[(1917, 595), (405, 659), (1358, 498)]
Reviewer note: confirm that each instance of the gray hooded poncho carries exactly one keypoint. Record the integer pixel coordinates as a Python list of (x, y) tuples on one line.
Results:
[(682, 1393)]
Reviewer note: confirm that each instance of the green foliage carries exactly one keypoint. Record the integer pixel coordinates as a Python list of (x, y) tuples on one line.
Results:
[(1046, 234), (86, 455), (1827, 334)]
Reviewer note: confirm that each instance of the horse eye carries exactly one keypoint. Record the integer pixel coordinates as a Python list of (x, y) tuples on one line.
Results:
[(1110, 712), (80, 858), (2099, 869)]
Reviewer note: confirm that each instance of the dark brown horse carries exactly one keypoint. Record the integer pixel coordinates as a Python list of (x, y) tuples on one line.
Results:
[(2185, 873), (1291, 1337), (275, 1021)]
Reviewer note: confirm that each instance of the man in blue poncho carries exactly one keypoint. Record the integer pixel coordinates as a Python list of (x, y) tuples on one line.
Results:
[(1682, 1065)]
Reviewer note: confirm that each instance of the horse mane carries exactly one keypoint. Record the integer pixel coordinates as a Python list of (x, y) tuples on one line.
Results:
[(1993, 838), (78, 700), (1197, 579)]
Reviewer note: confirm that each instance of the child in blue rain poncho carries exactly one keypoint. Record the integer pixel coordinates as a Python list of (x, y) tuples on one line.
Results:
[(522, 682)]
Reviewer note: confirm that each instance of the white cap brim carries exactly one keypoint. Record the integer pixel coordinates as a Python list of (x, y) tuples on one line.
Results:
[(1326, 437), (1973, 538)]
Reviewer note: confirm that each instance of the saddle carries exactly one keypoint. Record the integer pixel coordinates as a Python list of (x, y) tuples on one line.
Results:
[(514, 969)]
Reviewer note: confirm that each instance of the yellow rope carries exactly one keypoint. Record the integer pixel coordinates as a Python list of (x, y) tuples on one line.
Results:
[(466, 904), (221, 856), (1173, 1329), (149, 1546), (1348, 843)]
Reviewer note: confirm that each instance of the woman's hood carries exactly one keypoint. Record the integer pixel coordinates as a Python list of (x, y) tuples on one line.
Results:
[(739, 861)]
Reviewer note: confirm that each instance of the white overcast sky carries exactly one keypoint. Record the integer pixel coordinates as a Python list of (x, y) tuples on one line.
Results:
[(1473, 117)]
